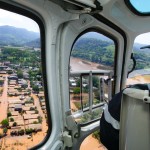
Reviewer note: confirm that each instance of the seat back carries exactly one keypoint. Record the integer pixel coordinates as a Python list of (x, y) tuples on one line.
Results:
[(134, 120)]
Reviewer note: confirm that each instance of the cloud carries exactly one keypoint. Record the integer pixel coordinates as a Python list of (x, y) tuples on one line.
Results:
[(143, 38), (16, 20)]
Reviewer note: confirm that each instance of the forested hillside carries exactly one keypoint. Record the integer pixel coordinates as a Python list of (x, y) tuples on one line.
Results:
[(103, 52), (94, 50), (16, 36), (35, 43), (22, 57)]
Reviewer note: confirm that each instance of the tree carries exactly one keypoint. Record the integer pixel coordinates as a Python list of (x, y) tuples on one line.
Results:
[(5, 123), (40, 119), (35, 122), (1, 134), (21, 132), (5, 130), (8, 114), (1, 82), (29, 131), (76, 90), (20, 74), (95, 81), (36, 111), (14, 124), (35, 88), (78, 83), (11, 119), (32, 108)]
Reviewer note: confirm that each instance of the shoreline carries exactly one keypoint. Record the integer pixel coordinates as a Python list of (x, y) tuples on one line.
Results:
[(138, 79)]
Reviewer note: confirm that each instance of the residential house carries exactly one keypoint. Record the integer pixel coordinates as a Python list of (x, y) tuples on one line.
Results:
[(18, 107)]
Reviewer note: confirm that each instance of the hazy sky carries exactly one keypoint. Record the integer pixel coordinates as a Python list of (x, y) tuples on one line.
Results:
[(13, 19), (143, 38), (141, 5)]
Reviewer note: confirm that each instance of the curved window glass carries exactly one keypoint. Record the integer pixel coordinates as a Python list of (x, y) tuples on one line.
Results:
[(23, 113), (141, 6), (92, 63), (91, 68), (141, 52)]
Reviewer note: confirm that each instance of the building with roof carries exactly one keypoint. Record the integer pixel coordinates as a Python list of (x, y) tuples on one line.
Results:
[(18, 107), (14, 113), (31, 121), (37, 127), (30, 116)]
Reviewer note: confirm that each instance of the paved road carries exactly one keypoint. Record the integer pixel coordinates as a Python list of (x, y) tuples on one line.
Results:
[(4, 101)]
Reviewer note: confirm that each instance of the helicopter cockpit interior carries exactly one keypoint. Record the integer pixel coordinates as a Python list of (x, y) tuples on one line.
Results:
[(84, 53)]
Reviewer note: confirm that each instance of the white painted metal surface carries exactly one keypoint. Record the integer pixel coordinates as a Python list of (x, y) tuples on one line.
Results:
[(135, 121)]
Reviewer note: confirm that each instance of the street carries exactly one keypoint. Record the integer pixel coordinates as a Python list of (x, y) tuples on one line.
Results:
[(4, 101)]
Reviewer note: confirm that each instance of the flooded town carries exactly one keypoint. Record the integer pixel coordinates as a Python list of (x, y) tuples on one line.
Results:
[(23, 115)]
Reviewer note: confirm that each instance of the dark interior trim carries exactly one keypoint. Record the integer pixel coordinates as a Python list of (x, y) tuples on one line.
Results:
[(28, 13)]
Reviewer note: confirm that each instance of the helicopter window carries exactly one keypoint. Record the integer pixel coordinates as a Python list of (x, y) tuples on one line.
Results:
[(139, 7), (141, 52), (91, 71), (23, 113)]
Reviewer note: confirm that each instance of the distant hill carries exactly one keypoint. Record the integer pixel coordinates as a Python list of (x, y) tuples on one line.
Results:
[(97, 36), (91, 43), (95, 50), (16, 36), (35, 43), (137, 47), (102, 52)]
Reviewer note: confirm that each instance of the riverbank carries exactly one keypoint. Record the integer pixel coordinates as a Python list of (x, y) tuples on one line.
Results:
[(139, 79)]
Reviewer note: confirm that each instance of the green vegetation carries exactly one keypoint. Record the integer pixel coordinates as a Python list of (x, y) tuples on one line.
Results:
[(14, 124), (1, 134), (11, 119), (90, 116), (95, 50), (16, 36), (32, 108), (21, 132), (36, 111), (1, 82), (29, 131), (20, 57), (95, 81), (40, 119), (19, 73), (142, 59), (29, 102), (25, 58), (35, 122), (77, 104), (76, 90), (5, 130), (35, 88), (96, 135), (5, 123), (103, 52), (8, 114), (1, 91)]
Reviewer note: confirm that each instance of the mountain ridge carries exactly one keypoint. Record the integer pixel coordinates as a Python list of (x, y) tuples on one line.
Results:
[(10, 35)]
